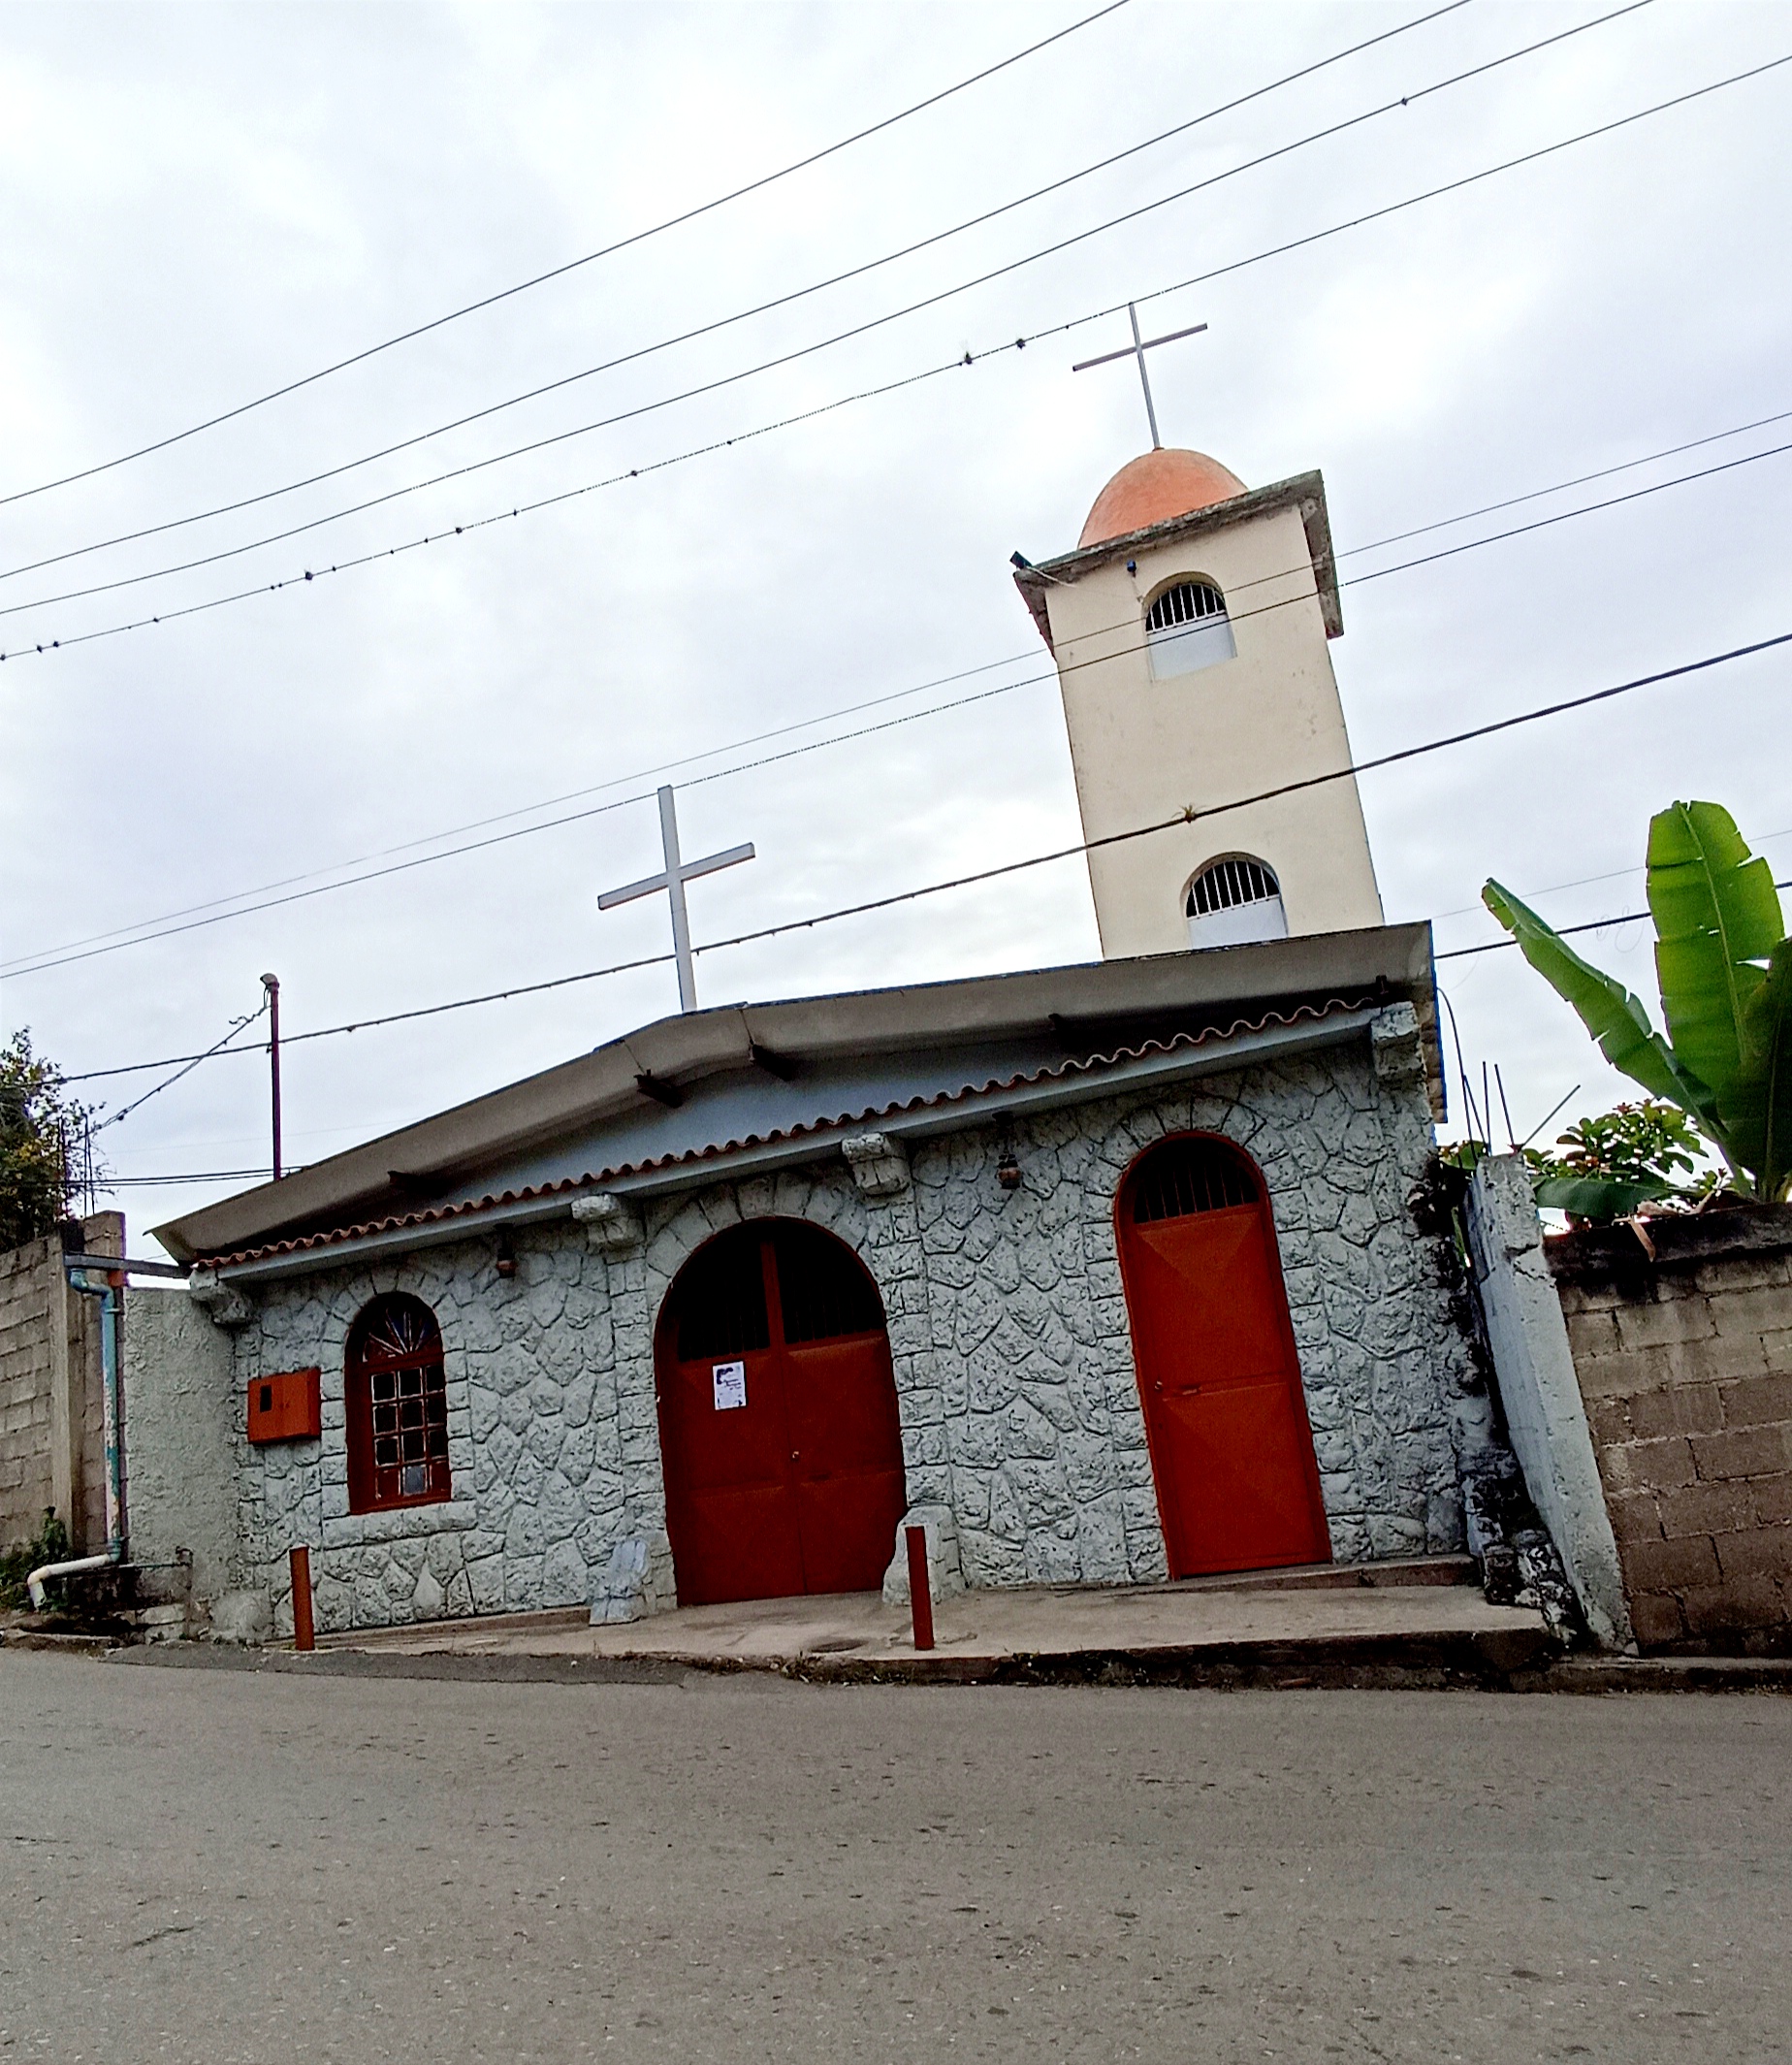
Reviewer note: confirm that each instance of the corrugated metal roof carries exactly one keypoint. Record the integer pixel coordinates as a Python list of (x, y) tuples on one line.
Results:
[(748, 1069), (823, 1122)]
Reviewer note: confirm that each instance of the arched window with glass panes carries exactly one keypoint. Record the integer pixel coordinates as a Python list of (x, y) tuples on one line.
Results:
[(396, 1406), (1187, 628), (1233, 902)]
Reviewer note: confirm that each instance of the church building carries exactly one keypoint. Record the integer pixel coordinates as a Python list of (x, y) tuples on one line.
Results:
[(1106, 1272)]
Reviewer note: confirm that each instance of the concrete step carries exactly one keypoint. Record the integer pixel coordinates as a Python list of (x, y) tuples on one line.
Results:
[(1327, 1577)]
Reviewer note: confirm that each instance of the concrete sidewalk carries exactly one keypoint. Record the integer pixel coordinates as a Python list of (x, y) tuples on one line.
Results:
[(1393, 1624)]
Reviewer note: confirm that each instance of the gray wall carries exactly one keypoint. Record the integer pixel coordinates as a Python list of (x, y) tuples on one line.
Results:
[(1008, 1334), (181, 1464), (1538, 1389)]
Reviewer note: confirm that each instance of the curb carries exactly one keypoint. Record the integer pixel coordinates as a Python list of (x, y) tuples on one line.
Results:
[(1515, 1660)]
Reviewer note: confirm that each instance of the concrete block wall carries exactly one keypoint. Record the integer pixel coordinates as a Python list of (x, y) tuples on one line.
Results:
[(1685, 1365), (52, 1432), (31, 1309)]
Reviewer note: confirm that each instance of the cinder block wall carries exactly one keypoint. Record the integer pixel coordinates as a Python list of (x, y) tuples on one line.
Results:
[(52, 1425), (1685, 1363), (31, 1311)]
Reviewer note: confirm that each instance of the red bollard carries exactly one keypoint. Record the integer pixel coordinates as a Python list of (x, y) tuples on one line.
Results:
[(305, 1634), (920, 1587)]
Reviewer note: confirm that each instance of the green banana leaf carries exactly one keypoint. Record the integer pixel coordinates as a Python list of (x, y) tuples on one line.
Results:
[(1759, 1107), (1716, 918), (1616, 1020), (1598, 1197)]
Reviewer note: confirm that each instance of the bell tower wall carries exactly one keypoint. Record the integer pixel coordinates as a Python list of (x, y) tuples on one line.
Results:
[(1145, 749)]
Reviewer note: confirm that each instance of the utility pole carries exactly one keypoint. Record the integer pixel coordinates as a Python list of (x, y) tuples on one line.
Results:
[(270, 984)]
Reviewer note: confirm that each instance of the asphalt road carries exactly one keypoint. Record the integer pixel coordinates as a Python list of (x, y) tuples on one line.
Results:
[(216, 1866)]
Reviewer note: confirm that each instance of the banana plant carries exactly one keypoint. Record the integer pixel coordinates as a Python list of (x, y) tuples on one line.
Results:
[(1724, 967)]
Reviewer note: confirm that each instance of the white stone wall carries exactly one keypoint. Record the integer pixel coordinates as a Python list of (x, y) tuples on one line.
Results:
[(182, 1480), (1009, 1335)]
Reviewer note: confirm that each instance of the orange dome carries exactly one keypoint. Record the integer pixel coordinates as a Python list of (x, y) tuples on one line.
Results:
[(1154, 488)]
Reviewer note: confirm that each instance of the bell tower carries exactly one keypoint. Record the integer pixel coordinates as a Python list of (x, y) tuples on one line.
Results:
[(1190, 631)]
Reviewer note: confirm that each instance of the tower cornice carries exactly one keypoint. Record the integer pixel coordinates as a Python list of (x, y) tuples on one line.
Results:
[(1304, 493)]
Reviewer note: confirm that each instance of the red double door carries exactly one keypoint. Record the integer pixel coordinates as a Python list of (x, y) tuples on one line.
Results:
[(1231, 1448), (778, 1418)]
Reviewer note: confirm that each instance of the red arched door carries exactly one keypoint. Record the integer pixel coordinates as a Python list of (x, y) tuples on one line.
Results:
[(1231, 1449), (778, 1418)]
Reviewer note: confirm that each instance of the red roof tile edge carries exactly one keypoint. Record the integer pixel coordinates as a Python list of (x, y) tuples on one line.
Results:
[(472, 1207)]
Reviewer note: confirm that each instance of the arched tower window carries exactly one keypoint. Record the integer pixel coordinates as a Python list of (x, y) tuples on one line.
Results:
[(1233, 902), (1187, 628), (396, 1406)]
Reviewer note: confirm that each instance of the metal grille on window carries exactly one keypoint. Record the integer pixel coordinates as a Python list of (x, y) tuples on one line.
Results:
[(1228, 883), (1187, 603), (825, 1297), (722, 1309), (1188, 1175)]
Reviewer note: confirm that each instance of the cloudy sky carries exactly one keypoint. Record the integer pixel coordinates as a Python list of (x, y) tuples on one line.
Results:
[(201, 204)]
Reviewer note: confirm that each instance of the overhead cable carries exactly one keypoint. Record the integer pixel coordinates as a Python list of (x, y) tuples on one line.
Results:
[(43, 646), (854, 709), (58, 957), (1189, 816), (608, 250), (734, 379), (1592, 924), (782, 301)]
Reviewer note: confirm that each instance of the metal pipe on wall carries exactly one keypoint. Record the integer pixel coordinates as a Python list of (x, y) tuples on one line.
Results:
[(112, 1394)]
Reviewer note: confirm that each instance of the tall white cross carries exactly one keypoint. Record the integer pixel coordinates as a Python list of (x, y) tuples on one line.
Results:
[(676, 874), (1137, 349)]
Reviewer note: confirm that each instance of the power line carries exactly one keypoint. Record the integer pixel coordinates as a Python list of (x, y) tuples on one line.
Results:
[(1582, 882), (240, 1026), (691, 214), (1190, 816), (641, 774), (731, 379), (1579, 480), (45, 646), (77, 952), (1592, 924), (744, 314)]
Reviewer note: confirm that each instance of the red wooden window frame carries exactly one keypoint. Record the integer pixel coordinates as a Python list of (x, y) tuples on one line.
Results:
[(395, 1406)]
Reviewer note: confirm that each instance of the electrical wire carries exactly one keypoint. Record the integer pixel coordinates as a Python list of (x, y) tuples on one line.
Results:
[(641, 774), (734, 379), (242, 1026), (59, 957), (43, 646), (782, 301), (1189, 816), (671, 222), (1592, 924)]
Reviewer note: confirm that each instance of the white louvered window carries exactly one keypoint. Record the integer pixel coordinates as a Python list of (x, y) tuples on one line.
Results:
[(1235, 902), (1187, 628)]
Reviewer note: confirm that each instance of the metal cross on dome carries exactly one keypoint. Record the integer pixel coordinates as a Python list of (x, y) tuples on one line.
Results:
[(672, 879), (1137, 349)]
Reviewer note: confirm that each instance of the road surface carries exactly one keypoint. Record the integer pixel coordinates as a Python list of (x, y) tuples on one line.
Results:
[(221, 1866)]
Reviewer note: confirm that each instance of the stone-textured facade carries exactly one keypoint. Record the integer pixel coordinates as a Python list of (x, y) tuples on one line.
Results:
[(1685, 1359), (1009, 1340)]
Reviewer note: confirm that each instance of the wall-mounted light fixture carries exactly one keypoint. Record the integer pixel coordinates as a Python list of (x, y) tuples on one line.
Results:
[(1007, 1171), (506, 1256)]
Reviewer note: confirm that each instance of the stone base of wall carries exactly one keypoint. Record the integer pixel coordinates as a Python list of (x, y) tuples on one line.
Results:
[(1685, 1359)]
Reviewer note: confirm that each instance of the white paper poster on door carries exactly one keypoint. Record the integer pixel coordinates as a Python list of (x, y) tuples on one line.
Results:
[(730, 1383)]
